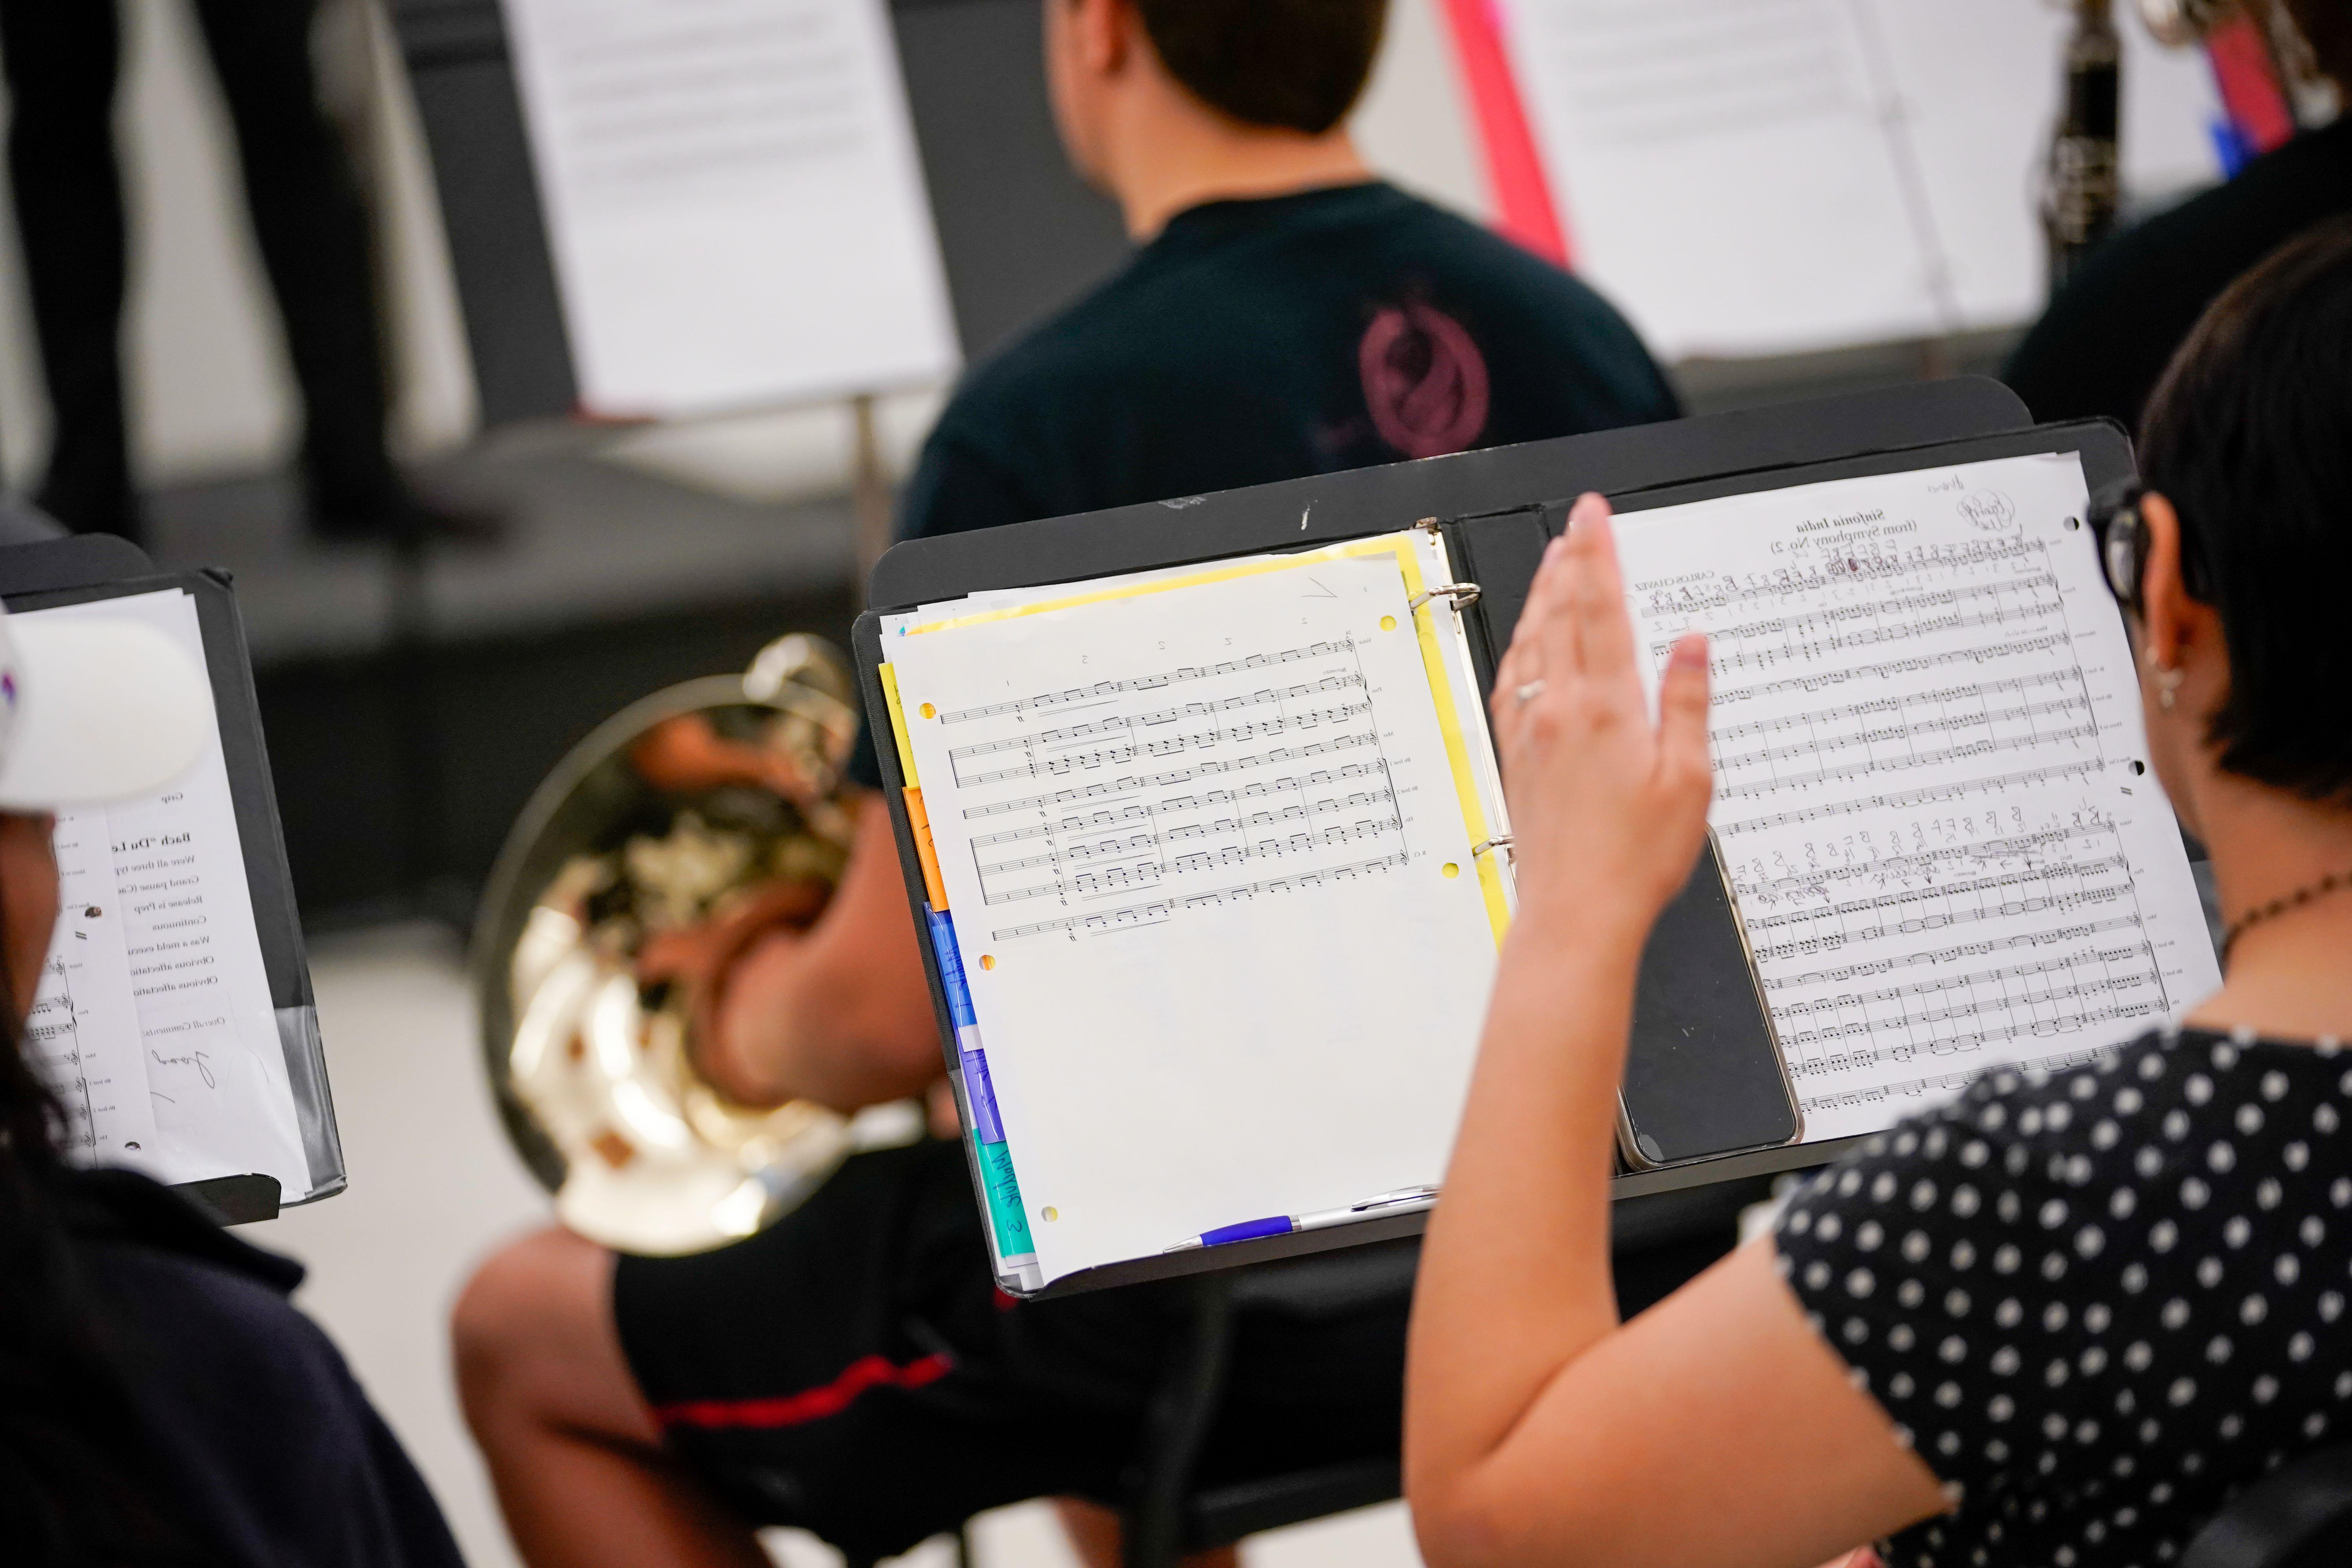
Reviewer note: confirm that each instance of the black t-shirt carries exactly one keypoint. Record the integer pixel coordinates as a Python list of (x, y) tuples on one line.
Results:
[(2104, 341), (274, 1456), (1266, 339), (2098, 1303)]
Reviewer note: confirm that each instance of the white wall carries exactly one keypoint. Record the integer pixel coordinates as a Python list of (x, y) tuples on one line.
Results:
[(212, 392)]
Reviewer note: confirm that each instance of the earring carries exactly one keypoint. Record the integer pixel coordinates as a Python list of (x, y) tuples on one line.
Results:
[(2167, 687)]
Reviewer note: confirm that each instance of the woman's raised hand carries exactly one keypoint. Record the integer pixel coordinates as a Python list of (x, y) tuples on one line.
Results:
[(1607, 810)]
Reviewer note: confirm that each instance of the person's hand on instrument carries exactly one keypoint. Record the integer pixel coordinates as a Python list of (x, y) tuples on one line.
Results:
[(687, 754), (725, 963), (1608, 809)]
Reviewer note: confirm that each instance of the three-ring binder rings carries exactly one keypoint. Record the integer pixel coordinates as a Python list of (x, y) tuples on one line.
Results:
[(1215, 858), (174, 1014)]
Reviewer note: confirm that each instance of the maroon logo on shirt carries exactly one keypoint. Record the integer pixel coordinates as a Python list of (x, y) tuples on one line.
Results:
[(1424, 381)]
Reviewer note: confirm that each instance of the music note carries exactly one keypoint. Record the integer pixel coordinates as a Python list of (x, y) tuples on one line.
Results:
[(1930, 797)]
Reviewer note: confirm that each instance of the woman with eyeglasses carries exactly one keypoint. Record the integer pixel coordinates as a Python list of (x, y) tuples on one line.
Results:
[(2059, 1322)]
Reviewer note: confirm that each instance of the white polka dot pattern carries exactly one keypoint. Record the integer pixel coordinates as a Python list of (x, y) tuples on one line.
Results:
[(2096, 1304)]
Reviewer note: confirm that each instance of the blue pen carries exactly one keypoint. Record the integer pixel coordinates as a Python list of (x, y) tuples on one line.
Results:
[(1403, 1200)]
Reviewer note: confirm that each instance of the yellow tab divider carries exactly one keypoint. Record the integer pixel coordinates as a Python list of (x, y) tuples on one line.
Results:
[(918, 820), (898, 725)]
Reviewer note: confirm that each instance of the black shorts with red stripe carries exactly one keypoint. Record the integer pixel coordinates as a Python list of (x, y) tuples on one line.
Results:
[(855, 1372)]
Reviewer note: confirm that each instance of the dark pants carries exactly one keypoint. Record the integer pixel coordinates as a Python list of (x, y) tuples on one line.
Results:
[(60, 58)]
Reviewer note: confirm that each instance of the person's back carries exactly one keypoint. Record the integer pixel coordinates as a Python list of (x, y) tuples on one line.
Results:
[(2106, 337), (1288, 314)]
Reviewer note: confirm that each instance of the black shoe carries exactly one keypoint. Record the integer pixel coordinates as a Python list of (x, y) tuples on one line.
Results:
[(411, 520)]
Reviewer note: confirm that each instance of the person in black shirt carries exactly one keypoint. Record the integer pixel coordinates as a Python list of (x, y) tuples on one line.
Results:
[(1262, 339), (2099, 348), (853, 1370), (161, 1402), (2059, 1322)]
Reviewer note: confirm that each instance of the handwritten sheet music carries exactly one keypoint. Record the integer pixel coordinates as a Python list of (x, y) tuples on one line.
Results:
[(1931, 788), (83, 1033), (183, 961), (1214, 888)]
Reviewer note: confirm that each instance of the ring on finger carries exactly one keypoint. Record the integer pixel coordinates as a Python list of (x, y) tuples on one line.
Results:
[(1530, 691)]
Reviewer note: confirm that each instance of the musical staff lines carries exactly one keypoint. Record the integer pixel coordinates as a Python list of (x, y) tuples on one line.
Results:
[(1924, 728), (1134, 917), (1047, 754), (1107, 690), (1288, 777)]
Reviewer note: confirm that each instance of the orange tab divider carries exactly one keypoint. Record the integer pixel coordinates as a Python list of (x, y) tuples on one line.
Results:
[(935, 887)]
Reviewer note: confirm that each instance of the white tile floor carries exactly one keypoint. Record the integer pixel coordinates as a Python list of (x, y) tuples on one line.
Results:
[(433, 1186)]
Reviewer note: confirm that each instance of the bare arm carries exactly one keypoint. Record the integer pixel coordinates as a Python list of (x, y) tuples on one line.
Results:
[(839, 1013), (1716, 1428)]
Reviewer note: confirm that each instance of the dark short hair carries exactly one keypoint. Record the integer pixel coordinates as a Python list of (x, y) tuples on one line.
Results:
[(2249, 435), (1298, 64)]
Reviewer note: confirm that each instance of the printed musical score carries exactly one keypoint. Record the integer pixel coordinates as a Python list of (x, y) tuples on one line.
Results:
[(1932, 795), (1259, 781), (1212, 874)]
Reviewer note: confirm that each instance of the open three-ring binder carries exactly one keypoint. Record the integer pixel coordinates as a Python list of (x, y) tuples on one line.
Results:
[(1212, 856)]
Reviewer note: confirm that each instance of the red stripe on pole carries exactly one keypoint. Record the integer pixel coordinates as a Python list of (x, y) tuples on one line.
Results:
[(2250, 87), (810, 1405), (1525, 211)]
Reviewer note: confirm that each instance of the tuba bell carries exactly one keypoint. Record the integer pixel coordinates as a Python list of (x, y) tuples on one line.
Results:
[(680, 808)]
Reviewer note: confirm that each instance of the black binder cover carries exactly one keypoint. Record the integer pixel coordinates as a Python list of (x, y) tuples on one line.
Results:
[(77, 570), (1497, 508)]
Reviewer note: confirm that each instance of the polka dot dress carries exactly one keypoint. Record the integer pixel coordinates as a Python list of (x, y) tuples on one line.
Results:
[(2101, 1302)]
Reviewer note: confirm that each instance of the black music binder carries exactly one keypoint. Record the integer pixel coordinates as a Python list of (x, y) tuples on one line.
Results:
[(79, 570), (1704, 1070)]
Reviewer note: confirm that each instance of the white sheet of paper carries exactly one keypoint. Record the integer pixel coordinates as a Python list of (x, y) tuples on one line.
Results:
[(1977, 88), (83, 1033), (1194, 844), (734, 201), (1931, 791), (1722, 169), (214, 1070), (1770, 176)]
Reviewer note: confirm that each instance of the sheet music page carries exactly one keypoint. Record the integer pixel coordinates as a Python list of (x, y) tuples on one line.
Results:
[(734, 201), (1770, 176), (1723, 169), (83, 1035), (1931, 789), (1974, 89), (213, 1069), (1213, 884)]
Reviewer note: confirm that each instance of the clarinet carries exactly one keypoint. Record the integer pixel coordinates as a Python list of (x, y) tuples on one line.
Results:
[(2083, 190)]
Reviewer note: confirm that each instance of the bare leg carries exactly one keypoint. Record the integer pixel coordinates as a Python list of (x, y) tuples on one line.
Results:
[(573, 1449), (1093, 1530)]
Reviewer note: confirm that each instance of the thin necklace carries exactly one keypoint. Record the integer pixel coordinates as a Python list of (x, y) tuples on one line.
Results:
[(2333, 881)]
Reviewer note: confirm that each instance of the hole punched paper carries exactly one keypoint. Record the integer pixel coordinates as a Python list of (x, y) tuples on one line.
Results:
[(1932, 795), (1206, 840)]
